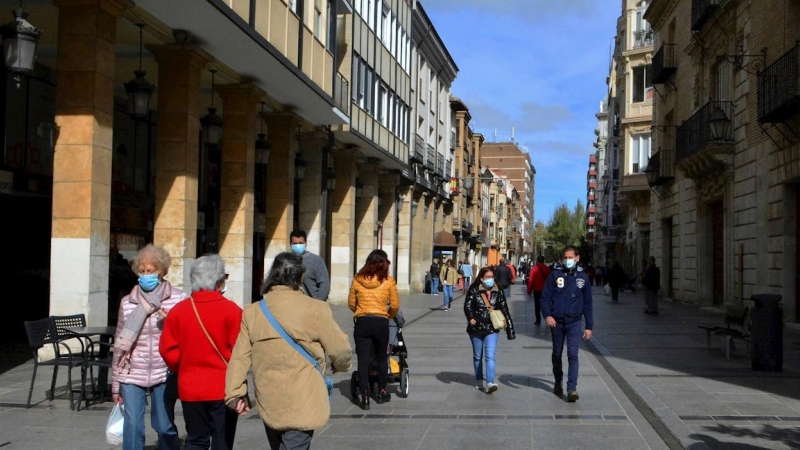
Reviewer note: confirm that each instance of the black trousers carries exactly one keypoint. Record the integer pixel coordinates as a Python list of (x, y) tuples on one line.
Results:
[(537, 305), (371, 334), (209, 425), (289, 439), (615, 292)]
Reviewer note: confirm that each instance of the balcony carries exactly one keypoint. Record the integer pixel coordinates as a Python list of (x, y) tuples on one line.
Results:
[(448, 169), (702, 11), (779, 88), (696, 134), (430, 157), (440, 164), (643, 38), (418, 155), (662, 166), (664, 63), (591, 210)]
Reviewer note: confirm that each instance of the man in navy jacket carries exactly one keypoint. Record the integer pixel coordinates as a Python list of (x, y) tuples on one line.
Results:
[(566, 299)]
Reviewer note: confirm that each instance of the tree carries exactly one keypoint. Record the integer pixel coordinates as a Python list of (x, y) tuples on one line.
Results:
[(567, 227)]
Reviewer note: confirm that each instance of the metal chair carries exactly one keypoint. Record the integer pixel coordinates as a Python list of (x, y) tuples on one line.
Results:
[(98, 354), (62, 323), (41, 333)]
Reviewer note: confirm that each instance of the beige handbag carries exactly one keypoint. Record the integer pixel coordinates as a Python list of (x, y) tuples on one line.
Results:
[(497, 317)]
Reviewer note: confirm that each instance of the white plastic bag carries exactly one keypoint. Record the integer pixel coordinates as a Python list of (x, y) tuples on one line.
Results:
[(607, 289), (114, 425)]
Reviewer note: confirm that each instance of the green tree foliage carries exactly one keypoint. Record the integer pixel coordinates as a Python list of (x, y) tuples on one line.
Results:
[(567, 227)]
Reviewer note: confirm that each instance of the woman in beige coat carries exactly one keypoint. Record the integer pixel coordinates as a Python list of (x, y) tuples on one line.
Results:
[(291, 395)]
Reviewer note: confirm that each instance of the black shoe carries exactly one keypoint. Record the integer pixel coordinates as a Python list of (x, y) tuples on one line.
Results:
[(364, 403), (573, 397), (558, 389), (383, 397), (538, 322)]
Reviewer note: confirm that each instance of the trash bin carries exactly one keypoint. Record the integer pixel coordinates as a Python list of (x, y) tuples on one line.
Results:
[(766, 333)]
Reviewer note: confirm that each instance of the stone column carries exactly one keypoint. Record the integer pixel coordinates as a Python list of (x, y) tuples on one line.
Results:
[(428, 227), (311, 191), (81, 219), (178, 146), (387, 216), (367, 212), (280, 185), (404, 238), (240, 103), (343, 212), (420, 259)]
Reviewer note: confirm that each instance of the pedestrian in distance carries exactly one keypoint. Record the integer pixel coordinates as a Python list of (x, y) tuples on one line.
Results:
[(449, 277), (317, 280), (197, 341), (566, 304), (137, 368), (434, 271), (616, 277), (290, 392), (371, 291), (481, 295), (503, 277), (466, 272), (536, 279), (651, 280)]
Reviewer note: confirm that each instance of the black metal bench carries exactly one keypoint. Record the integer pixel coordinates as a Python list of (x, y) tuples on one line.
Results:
[(735, 316)]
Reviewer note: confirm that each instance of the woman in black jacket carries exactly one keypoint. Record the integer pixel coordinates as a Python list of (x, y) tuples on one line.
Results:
[(479, 326)]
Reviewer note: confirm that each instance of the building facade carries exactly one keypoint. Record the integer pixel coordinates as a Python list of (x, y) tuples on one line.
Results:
[(725, 220)]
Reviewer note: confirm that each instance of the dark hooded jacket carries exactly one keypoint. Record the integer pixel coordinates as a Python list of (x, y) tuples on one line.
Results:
[(475, 308)]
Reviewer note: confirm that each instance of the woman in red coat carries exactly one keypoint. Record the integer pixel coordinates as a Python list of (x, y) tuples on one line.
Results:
[(197, 342)]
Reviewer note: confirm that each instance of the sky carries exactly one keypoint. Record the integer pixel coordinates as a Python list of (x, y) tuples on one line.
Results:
[(539, 67)]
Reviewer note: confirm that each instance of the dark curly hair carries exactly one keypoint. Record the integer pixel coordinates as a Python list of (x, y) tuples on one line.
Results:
[(377, 265), (287, 270)]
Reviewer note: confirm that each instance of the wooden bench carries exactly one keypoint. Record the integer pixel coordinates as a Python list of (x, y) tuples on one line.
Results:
[(735, 316)]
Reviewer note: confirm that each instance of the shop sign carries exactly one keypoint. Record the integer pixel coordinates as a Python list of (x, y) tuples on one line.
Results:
[(126, 244)]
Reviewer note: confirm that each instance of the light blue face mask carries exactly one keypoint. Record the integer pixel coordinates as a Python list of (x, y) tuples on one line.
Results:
[(569, 263), (148, 282), (489, 283), (299, 248)]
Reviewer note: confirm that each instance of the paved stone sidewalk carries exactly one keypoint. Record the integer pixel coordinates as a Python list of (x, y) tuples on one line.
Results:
[(647, 382)]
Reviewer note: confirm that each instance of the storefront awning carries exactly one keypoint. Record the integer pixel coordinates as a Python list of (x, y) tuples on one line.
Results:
[(444, 239)]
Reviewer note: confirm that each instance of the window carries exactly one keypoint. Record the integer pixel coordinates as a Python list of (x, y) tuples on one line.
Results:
[(642, 83), (640, 152), (293, 6), (318, 19), (383, 104)]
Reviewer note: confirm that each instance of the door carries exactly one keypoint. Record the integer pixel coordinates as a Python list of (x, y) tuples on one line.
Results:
[(666, 263), (717, 227)]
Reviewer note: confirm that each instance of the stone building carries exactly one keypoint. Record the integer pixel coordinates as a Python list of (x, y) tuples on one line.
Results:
[(725, 220)]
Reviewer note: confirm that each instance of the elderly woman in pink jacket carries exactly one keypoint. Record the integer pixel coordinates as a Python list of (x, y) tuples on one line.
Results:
[(137, 366)]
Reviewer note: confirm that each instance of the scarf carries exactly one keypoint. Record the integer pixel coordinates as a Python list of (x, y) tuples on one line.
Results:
[(147, 303)]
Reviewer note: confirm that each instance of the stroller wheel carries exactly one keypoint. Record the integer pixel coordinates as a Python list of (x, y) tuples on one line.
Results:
[(403, 391), (354, 385)]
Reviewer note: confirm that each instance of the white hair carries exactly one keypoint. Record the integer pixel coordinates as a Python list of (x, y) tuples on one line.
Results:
[(207, 271)]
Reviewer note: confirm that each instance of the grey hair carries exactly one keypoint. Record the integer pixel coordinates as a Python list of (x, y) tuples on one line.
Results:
[(157, 256), (206, 272)]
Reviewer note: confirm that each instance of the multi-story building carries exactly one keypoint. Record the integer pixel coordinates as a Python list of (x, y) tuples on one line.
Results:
[(516, 166), (591, 200), (631, 118), (725, 219), (601, 195)]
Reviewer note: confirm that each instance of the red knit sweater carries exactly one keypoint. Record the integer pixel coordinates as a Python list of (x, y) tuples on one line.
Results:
[(186, 350)]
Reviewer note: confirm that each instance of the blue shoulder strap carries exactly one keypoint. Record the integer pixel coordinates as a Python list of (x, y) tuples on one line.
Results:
[(288, 338)]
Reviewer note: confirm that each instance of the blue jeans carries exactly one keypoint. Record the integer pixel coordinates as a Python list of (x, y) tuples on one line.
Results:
[(484, 346), (134, 399), (572, 333), (507, 291), (434, 286), (448, 295)]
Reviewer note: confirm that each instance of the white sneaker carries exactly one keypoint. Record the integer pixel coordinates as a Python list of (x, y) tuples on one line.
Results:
[(490, 388)]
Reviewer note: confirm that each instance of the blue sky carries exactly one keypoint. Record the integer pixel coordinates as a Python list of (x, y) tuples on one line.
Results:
[(540, 67)]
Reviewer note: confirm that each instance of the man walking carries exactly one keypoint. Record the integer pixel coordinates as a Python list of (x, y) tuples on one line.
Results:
[(434, 270), (503, 277), (652, 284), (317, 280), (536, 279), (466, 273), (567, 297), (616, 276)]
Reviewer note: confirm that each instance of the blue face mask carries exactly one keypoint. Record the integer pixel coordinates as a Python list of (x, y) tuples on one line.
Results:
[(569, 263), (489, 283), (299, 248), (148, 282)]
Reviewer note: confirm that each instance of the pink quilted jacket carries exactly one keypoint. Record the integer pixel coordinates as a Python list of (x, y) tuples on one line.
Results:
[(146, 367)]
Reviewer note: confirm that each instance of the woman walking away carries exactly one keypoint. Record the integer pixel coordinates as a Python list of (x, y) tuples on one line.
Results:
[(197, 342), (449, 277), (370, 293), (484, 294), (137, 367), (291, 393)]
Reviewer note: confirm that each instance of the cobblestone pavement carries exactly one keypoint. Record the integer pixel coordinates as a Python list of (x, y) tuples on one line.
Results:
[(646, 382)]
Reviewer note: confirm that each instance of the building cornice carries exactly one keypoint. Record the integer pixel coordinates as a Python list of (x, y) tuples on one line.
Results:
[(658, 12)]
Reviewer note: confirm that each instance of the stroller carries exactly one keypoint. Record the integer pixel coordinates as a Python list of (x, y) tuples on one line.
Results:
[(397, 352)]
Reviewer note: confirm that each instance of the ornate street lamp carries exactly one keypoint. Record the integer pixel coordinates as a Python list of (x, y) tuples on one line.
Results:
[(300, 167), (262, 145), (331, 175), (651, 172), (20, 40), (211, 122), (140, 91), (719, 123), (414, 208)]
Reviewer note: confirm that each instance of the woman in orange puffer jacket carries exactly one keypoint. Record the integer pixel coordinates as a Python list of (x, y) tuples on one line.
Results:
[(374, 301)]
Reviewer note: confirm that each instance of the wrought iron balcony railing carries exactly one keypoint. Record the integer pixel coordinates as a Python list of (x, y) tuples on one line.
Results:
[(643, 38), (779, 88), (695, 134), (664, 63), (702, 11)]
